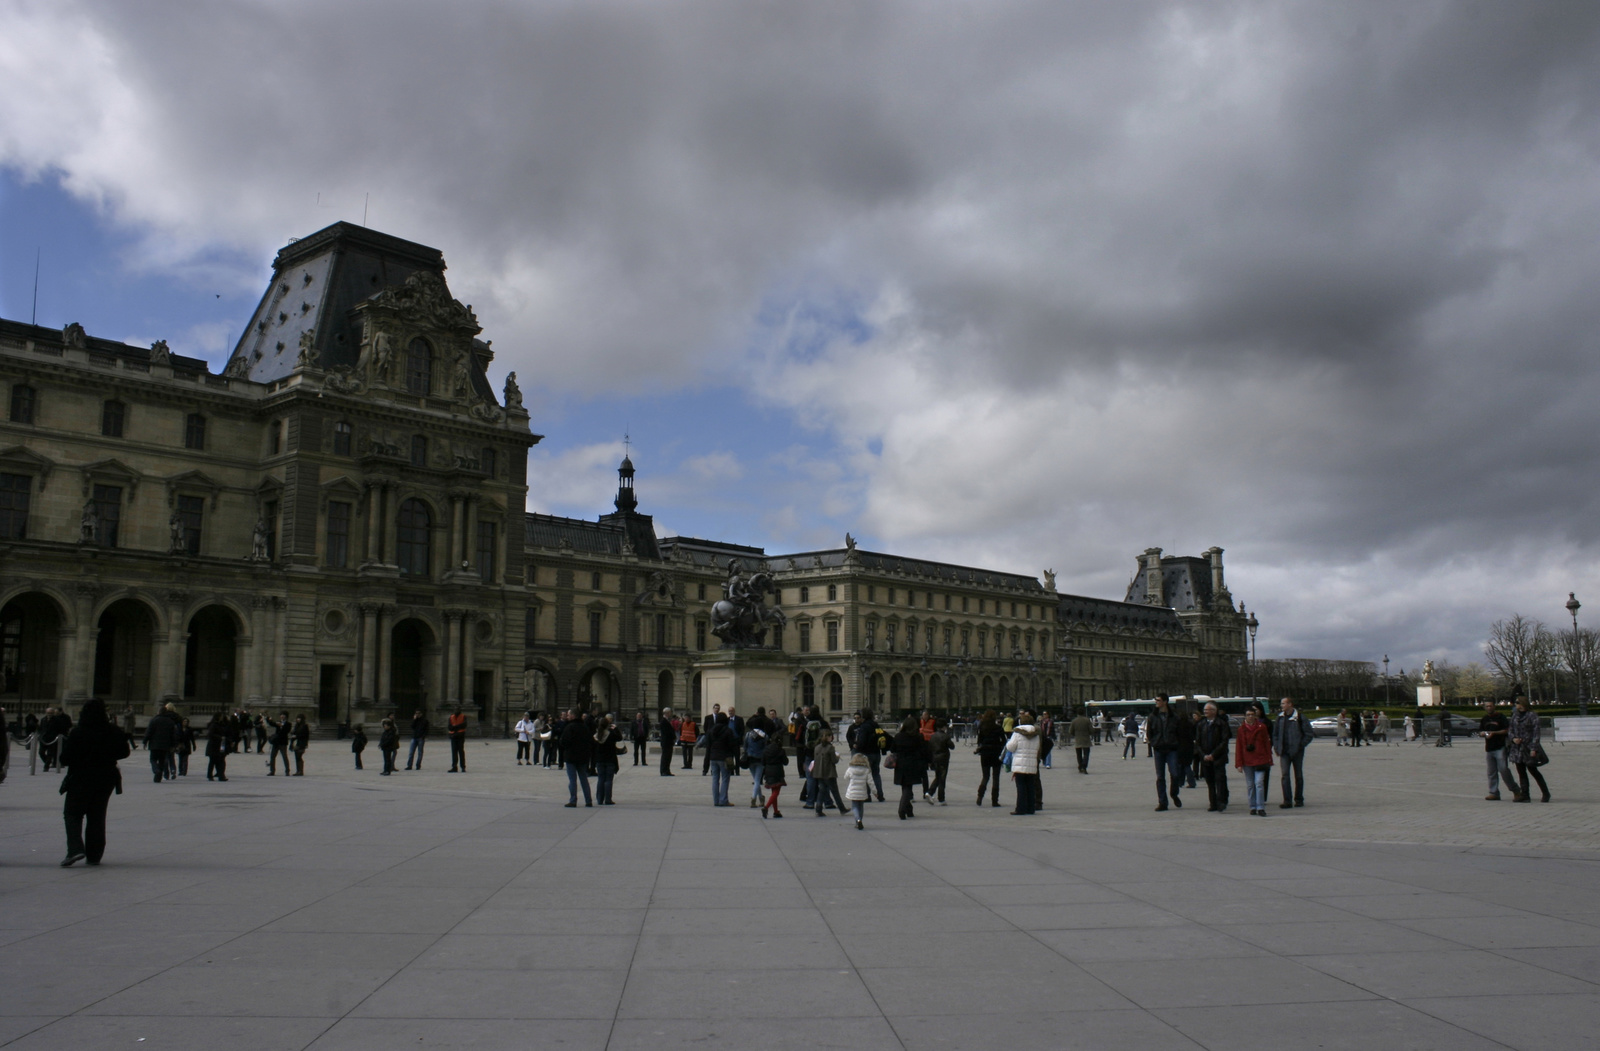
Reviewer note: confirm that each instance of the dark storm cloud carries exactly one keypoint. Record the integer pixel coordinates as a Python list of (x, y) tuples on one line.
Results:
[(1313, 281)]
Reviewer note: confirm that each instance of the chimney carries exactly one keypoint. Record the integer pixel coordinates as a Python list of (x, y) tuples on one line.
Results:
[(1154, 593), (1218, 588)]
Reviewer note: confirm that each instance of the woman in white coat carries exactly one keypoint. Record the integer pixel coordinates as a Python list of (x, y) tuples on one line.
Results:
[(1024, 749), (858, 785)]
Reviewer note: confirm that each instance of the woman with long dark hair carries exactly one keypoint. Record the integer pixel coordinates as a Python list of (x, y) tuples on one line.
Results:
[(607, 742), (991, 742), (90, 753), (912, 754), (1525, 750)]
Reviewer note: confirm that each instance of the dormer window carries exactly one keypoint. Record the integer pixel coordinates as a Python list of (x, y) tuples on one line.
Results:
[(419, 367)]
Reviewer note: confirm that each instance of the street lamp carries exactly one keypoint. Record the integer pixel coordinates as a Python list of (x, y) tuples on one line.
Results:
[(1252, 624), (1573, 605), (1386, 680)]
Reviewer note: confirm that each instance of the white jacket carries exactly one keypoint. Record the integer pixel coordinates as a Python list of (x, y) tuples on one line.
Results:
[(858, 783), (526, 729), (1024, 749)]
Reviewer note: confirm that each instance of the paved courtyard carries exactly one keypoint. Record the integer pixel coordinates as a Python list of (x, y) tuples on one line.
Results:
[(429, 910)]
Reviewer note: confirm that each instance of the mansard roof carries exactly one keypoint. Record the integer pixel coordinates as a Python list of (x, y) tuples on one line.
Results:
[(944, 572), (1185, 581), (1108, 613)]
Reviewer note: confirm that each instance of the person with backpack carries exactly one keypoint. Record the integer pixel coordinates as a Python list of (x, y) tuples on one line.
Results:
[(1291, 733)]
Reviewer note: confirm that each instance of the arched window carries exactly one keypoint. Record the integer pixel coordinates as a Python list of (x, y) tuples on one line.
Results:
[(419, 367), (412, 536), (835, 692), (341, 438), (808, 689)]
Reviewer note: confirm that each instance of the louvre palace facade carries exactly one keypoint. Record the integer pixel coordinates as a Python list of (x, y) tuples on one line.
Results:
[(336, 525)]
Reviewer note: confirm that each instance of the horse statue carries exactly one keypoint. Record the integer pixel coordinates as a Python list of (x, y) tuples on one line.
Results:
[(741, 617)]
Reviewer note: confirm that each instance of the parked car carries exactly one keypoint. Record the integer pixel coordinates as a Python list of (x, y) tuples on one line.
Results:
[(1325, 726)]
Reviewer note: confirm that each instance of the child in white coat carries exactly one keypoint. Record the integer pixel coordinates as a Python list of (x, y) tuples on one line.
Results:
[(858, 785)]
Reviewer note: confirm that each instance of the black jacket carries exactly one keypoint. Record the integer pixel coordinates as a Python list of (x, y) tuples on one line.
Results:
[(1212, 737), (577, 743), (90, 754), (991, 742), (606, 751), (721, 743), (161, 733), (280, 734), (866, 741), (912, 755), (419, 726), (1169, 731)]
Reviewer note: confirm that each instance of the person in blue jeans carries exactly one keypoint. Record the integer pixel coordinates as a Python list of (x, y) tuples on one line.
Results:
[(722, 753), (419, 740), (577, 748), (1169, 734), (1252, 755), (1291, 732)]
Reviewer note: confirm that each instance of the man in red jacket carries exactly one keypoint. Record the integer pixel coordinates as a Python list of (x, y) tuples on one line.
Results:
[(457, 730)]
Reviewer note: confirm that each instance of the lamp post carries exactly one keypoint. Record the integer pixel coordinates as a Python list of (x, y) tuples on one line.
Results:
[(1252, 624), (1386, 680), (1573, 605)]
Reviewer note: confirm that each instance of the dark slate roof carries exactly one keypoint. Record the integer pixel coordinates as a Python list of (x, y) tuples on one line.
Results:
[(51, 338), (317, 282), (709, 553), (1108, 613), (943, 571), (591, 537), (1186, 580)]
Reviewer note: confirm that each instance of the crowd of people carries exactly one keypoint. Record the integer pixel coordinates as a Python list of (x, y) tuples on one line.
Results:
[(1187, 747)]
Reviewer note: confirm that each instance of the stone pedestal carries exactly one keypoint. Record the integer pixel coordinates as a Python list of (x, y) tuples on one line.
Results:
[(745, 680), (1430, 695)]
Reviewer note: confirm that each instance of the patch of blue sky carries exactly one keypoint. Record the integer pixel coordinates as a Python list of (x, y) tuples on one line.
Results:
[(90, 271)]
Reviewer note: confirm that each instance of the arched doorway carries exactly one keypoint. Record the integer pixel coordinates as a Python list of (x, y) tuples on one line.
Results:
[(209, 671), (597, 690), (30, 648), (410, 643), (124, 638), (541, 687), (835, 692)]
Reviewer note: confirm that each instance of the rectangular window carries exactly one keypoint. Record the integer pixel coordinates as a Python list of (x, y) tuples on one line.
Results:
[(929, 598), (194, 431), (833, 592), (948, 633), (594, 582), (805, 637), (486, 551), (836, 694), (191, 513), (966, 641), (661, 631), (891, 596), (872, 593), (341, 439), (419, 451), (269, 512), (15, 490), (700, 634), (700, 593), (23, 401), (112, 414), (530, 627), (833, 635), (777, 636), (108, 511), (275, 437), (872, 636), (338, 534), (805, 595), (1013, 609), (963, 603), (947, 602), (594, 629), (486, 462)]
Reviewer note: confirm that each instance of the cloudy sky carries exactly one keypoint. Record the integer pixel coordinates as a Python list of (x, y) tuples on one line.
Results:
[(1015, 285)]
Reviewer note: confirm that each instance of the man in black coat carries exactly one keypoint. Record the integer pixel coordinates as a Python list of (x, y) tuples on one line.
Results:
[(1168, 733), (280, 744), (1211, 746), (669, 737), (160, 738), (90, 754), (577, 749), (866, 743)]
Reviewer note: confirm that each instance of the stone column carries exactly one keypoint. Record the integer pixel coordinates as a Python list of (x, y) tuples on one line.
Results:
[(457, 513), (80, 654), (449, 668), (280, 674), (256, 689), (366, 658), (469, 543), (167, 658), (391, 504), (374, 514), (468, 623), (380, 651)]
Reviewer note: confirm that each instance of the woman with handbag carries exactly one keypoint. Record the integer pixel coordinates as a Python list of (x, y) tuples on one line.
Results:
[(912, 754), (1525, 751), (607, 747)]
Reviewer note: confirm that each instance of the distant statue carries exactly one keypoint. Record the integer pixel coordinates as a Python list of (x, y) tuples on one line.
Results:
[(849, 542), (460, 374), (159, 354), (1427, 671), (238, 368), (258, 542), (1049, 580), (741, 618), (513, 392), (175, 533), (382, 355), (308, 351), (89, 524), (74, 336)]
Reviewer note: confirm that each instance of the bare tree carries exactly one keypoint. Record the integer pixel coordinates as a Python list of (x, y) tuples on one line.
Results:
[(1580, 653), (1514, 648), (1473, 683)]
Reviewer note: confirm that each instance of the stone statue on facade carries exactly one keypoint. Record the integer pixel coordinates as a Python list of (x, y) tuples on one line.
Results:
[(513, 396), (308, 358), (258, 542), (238, 368), (175, 533), (1049, 580), (159, 354), (741, 617), (89, 524), (73, 336)]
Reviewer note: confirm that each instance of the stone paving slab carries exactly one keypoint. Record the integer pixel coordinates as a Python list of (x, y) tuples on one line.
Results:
[(339, 911)]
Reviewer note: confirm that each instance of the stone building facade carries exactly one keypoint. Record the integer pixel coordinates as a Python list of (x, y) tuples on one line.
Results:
[(335, 525), (332, 525)]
